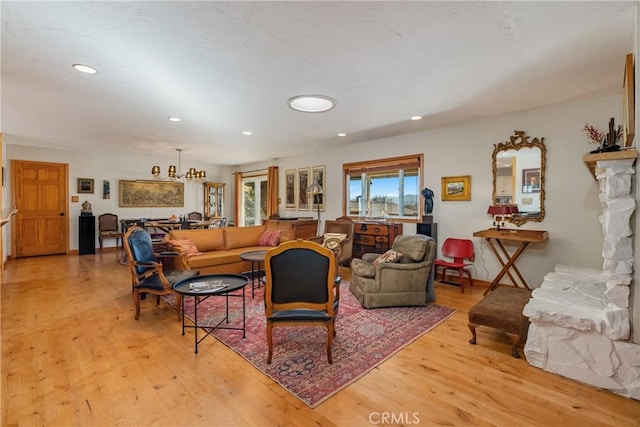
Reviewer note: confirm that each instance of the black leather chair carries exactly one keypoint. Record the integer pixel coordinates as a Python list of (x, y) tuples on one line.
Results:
[(148, 276), (301, 289)]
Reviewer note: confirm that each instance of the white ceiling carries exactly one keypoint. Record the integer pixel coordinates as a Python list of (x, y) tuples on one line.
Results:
[(227, 67)]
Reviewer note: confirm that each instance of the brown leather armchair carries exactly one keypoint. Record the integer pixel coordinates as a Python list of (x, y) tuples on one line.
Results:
[(343, 248)]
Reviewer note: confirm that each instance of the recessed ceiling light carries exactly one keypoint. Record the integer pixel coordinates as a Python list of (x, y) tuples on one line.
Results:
[(247, 132), (175, 119), (342, 134), (84, 68), (416, 117), (312, 103)]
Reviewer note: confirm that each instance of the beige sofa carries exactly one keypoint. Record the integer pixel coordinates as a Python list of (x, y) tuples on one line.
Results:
[(220, 248)]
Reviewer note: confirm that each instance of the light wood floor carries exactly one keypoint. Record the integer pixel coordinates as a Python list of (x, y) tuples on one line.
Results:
[(72, 354)]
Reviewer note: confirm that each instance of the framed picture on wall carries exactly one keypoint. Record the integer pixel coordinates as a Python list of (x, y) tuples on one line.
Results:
[(290, 189), (303, 184), (85, 185), (317, 175), (456, 188), (531, 180)]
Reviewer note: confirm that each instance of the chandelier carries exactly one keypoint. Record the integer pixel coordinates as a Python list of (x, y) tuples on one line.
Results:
[(174, 174)]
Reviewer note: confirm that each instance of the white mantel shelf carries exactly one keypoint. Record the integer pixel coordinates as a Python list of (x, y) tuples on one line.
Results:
[(592, 159)]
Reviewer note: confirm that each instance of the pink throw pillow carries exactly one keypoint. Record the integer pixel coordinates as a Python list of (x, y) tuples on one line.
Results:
[(269, 238)]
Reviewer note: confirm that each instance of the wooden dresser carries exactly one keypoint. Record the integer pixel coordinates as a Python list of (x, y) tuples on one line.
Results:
[(294, 228), (374, 237)]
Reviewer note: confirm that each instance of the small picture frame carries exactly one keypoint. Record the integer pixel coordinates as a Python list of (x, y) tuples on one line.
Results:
[(85, 185), (290, 189), (456, 188), (531, 180)]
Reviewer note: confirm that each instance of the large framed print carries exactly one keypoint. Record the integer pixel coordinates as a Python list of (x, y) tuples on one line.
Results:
[(303, 184), (317, 175), (153, 194), (290, 189)]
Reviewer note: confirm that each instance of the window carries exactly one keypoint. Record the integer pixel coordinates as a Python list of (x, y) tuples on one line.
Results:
[(385, 188)]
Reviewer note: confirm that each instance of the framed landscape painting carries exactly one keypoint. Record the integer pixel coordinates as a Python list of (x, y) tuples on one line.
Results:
[(137, 194), (456, 188)]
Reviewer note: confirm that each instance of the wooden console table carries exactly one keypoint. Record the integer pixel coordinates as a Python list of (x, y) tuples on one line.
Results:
[(506, 260)]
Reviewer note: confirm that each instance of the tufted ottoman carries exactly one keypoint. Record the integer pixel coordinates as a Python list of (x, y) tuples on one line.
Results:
[(502, 309)]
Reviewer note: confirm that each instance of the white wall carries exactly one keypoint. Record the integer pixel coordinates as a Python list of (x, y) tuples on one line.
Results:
[(572, 205), (113, 167)]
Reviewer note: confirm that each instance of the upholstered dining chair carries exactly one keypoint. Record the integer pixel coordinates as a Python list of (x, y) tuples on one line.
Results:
[(301, 289), (218, 223), (197, 216), (109, 228), (148, 276)]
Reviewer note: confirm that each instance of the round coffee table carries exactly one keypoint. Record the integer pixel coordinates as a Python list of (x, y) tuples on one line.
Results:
[(256, 258), (203, 287)]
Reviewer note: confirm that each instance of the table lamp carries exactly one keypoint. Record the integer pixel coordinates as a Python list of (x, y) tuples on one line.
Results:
[(500, 212)]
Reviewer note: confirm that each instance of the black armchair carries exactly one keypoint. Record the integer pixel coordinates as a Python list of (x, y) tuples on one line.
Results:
[(148, 276), (301, 288)]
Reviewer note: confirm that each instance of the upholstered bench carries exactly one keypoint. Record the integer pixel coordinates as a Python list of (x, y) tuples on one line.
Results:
[(502, 309)]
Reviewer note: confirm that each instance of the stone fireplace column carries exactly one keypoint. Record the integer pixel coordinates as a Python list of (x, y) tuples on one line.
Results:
[(579, 316)]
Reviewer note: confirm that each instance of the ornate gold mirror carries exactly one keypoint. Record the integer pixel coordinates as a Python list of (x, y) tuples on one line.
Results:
[(518, 177)]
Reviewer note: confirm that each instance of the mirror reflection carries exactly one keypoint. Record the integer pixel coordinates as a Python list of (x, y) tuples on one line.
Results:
[(518, 177)]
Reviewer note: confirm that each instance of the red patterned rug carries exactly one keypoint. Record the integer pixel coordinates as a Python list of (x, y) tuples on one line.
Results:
[(364, 339)]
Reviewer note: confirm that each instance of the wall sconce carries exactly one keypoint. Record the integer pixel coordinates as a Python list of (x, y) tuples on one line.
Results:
[(500, 212)]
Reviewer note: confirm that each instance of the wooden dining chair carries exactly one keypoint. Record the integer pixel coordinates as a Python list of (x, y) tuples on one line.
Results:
[(109, 228)]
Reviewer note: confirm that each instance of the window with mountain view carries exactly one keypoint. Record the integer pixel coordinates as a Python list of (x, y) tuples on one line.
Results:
[(384, 188)]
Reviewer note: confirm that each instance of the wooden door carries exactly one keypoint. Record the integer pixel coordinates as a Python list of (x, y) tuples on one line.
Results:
[(41, 226)]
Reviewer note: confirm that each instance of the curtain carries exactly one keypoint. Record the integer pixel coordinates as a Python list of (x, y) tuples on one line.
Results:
[(272, 190)]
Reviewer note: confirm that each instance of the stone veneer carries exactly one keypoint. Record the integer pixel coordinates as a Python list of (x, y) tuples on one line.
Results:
[(579, 316)]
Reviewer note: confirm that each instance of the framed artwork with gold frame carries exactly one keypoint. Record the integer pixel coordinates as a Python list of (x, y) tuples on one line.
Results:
[(137, 194), (456, 188)]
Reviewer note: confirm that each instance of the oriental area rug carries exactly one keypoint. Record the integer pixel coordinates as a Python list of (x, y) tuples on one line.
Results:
[(364, 339)]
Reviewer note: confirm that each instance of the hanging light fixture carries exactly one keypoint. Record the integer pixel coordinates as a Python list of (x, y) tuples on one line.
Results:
[(175, 174)]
